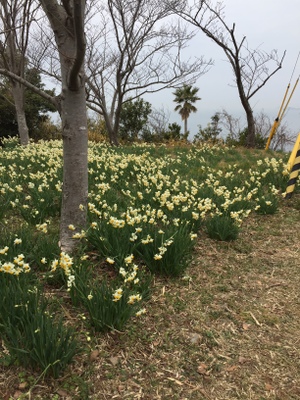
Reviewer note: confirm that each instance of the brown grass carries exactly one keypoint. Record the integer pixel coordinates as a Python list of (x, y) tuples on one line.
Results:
[(228, 330)]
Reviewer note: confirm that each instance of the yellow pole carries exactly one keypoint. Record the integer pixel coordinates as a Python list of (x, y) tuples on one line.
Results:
[(281, 113), (272, 132), (293, 153), (276, 122), (283, 101), (289, 99), (293, 176)]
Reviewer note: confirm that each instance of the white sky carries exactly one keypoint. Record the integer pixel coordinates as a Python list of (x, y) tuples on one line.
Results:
[(268, 24)]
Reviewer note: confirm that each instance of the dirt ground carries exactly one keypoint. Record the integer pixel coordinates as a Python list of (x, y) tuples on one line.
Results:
[(229, 329)]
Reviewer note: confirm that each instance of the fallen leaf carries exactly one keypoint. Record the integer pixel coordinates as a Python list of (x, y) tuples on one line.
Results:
[(231, 368), (202, 369), (23, 385), (94, 355), (114, 360), (246, 326), (268, 387), (62, 393)]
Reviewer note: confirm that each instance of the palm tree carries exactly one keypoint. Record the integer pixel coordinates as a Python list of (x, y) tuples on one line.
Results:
[(185, 97)]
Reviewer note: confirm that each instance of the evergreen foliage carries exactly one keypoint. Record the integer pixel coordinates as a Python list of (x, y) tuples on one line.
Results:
[(133, 119), (211, 132), (36, 107)]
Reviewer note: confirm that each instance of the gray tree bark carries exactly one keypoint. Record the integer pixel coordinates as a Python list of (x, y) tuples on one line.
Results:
[(16, 17), (67, 21), (18, 96)]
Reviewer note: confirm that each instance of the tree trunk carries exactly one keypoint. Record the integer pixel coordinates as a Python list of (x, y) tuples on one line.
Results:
[(113, 138), (67, 21), (185, 128), (18, 95), (111, 130), (250, 141), (75, 167)]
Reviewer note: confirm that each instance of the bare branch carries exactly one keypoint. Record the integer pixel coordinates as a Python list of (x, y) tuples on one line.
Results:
[(78, 21), (17, 78), (265, 80), (139, 51), (16, 18), (250, 67)]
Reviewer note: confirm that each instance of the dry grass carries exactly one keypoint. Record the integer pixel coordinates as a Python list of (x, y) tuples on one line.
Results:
[(229, 330)]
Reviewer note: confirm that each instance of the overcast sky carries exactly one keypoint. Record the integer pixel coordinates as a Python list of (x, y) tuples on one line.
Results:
[(268, 24)]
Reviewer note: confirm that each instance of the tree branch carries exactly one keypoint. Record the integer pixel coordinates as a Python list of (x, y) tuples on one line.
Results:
[(268, 77), (52, 99), (78, 22)]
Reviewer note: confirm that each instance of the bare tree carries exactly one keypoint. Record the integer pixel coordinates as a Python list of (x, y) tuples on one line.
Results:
[(67, 22), (250, 67), (231, 125), (42, 50), (233, 129), (135, 49), (283, 138), (158, 121), (16, 17)]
